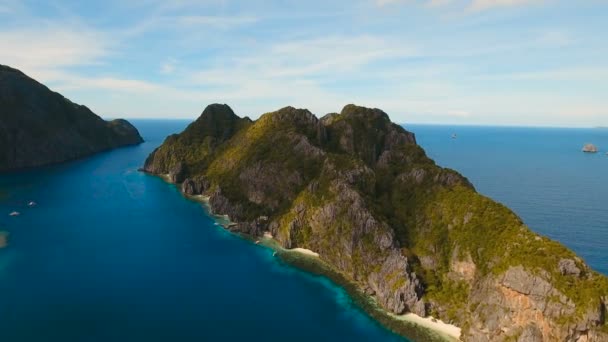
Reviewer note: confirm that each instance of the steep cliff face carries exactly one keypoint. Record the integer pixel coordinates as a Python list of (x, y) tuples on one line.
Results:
[(40, 127), (359, 191)]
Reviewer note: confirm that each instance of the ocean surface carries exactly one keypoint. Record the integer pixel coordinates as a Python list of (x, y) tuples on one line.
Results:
[(111, 254)]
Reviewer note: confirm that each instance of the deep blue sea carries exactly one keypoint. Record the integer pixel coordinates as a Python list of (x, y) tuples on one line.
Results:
[(111, 254)]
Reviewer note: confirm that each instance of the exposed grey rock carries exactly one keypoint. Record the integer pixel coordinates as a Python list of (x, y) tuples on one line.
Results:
[(195, 186), (397, 288), (177, 173), (568, 267), (221, 205), (531, 333)]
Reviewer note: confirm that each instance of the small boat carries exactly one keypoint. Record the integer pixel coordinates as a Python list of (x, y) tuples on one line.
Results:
[(14, 213), (454, 136), (257, 242), (32, 204), (274, 254)]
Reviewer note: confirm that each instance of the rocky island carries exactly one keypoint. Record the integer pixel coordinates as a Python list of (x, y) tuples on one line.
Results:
[(40, 127), (590, 148), (358, 190)]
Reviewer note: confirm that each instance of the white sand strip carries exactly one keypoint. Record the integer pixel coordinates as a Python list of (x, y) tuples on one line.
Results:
[(433, 324), (304, 251)]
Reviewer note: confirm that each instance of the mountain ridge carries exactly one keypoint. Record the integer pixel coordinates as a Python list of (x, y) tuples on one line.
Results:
[(357, 189), (40, 127)]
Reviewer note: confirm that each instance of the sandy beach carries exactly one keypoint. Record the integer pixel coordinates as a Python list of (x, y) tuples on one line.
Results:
[(304, 251), (447, 330)]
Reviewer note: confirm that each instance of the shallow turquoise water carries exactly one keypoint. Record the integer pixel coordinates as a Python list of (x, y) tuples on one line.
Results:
[(111, 254)]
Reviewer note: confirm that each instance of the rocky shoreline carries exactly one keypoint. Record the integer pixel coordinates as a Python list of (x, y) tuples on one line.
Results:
[(305, 261), (359, 191)]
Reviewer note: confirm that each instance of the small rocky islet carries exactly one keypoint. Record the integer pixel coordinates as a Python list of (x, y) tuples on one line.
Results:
[(40, 127), (590, 148), (358, 190)]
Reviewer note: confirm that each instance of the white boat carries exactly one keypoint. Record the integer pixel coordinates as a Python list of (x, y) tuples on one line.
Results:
[(32, 204), (14, 213)]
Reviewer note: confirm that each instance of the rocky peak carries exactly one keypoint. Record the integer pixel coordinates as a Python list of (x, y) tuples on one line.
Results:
[(217, 120), (217, 111), (366, 132), (301, 120)]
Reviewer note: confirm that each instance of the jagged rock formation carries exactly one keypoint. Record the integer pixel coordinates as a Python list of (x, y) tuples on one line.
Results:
[(358, 190), (40, 127)]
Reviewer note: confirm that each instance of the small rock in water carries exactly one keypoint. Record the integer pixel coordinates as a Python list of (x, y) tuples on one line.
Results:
[(590, 148), (3, 239)]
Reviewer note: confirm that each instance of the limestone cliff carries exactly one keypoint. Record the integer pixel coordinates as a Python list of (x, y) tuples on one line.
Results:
[(358, 190), (40, 127)]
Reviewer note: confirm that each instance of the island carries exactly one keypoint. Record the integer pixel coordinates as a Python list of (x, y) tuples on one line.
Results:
[(358, 191), (41, 127), (590, 148)]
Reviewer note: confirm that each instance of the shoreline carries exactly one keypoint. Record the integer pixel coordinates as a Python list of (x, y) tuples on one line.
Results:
[(408, 325)]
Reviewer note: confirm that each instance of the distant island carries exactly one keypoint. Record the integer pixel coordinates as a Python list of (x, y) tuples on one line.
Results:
[(590, 148), (417, 238), (40, 127)]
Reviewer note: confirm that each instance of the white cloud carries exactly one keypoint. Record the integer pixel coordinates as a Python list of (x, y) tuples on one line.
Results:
[(470, 5), (305, 59), (588, 74), (387, 2), (223, 22), (438, 3), (71, 82), (43, 51), (168, 67), (481, 5)]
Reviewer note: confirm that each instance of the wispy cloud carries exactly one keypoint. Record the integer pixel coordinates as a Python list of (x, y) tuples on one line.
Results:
[(447, 61), (223, 22), (71, 82), (168, 67), (307, 58), (469, 5), (482, 5), (587, 74), (44, 50)]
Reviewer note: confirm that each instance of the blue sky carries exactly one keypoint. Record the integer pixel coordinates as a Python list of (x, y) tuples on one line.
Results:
[(505, 62)]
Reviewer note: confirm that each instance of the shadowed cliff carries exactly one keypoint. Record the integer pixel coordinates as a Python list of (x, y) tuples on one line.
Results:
[(40, 127)]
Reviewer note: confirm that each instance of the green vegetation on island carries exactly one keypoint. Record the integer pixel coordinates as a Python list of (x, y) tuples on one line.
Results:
[(358, 190)]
